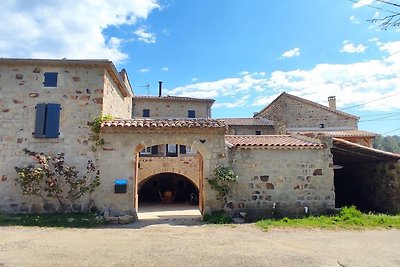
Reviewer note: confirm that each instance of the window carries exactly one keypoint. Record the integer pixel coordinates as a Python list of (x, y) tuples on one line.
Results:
[(50, 79), (47, 122), (172, 150), (184, 149), (146, 113), (151, 150), (258, 132), (191, 114)]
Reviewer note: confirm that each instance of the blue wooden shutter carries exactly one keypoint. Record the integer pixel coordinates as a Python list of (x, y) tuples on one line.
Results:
[(50, 79), (146, 112), (191, 114), (52, 120), (40, 121)]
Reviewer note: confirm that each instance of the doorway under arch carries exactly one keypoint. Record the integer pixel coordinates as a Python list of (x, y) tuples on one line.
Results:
[(176, 187), (168, 196)]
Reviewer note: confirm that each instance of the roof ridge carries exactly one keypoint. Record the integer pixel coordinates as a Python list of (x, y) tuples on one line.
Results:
[(308, 102)]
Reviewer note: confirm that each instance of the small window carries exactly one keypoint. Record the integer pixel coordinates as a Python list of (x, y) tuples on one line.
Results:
[(50, 79), (191, 114), (146, 113), (47, 122), (146, 151), (258, 132), (172, 150), (182, 149)]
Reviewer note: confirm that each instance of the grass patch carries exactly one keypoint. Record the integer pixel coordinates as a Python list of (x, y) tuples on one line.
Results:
[(217, 217), (348, 218), (50, 220)]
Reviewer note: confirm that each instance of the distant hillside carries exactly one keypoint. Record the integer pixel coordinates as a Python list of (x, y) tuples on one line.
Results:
[(388, 143)]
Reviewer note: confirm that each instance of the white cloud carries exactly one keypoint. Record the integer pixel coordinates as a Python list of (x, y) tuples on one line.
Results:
[(58, 29), (352, 84), (354, 20), (295, 52), (351, 48), (194, 79), (165, 69), (144, 70), (361, 3), (144, 36)]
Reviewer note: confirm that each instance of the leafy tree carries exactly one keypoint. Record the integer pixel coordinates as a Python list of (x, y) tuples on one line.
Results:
[(222, 182), (388, 143), (50, 178)]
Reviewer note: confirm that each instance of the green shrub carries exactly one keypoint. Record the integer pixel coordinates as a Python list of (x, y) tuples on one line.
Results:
[(217, 217)]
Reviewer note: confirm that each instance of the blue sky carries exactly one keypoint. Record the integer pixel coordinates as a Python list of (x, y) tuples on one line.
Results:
[(242, 53)]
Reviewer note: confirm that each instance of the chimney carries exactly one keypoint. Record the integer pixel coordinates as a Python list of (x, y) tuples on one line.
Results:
[(159, 88), (332, 102)]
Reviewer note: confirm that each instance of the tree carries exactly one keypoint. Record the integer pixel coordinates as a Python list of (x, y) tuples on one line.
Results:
[(388, 143), (50, 178), (392, 17)]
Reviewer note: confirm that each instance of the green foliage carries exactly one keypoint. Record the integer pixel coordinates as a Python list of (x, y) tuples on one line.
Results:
[(50, 220), (95, 127), (50, 178), (218, 217), (348, 218), (222, 182), (388, 143)]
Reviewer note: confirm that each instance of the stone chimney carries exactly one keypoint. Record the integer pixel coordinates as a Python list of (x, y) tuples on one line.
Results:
[(332, 102)]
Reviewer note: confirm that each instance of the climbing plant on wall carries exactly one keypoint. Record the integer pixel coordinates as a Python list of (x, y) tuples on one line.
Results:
[(222, 182), (95, 127), (50, 178)]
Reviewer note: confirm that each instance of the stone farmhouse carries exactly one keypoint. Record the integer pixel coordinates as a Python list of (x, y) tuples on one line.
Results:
[(293, 157)]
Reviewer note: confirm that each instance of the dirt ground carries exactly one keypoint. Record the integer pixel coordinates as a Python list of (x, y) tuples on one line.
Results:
[(196, 245)]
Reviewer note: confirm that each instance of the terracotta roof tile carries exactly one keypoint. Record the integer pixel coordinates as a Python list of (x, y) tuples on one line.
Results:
[(336, 133), (270, 141), (170, 97), (166, 123), (248, 121)]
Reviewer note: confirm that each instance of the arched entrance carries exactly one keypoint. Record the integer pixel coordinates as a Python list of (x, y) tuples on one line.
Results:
[(168, 188), (169, 176)]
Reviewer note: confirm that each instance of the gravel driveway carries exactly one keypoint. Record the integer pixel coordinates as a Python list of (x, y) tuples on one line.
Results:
[(196, 245)]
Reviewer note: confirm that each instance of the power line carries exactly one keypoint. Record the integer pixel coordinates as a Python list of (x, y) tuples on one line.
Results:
[(381, 114), (389, 3), (391, 131), (362, 104), (381, 118)]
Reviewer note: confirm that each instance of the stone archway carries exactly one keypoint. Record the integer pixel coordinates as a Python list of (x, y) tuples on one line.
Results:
[(187, 165)]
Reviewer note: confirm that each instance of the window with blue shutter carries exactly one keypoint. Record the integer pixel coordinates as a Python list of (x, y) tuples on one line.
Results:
[(146, 113), (50, 79), (191, 114), (47, 122)]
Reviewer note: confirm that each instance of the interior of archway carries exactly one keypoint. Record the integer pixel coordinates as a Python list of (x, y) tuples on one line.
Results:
[(168, 188)]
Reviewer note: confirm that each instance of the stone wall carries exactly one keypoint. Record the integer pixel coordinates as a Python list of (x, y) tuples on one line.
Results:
[(291, 113), (170, 108), (276, 113), (114, 103), (186, 165), (370, 186), (281, 182), (250, 129), (119, 160), (79, 90)]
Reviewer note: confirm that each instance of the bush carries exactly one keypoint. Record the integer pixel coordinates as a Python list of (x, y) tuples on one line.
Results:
[(50, 178), (217, 217)]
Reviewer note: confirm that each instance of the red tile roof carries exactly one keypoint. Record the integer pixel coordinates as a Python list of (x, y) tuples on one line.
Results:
[(270, 141), (165, 123), (336, 133), (176, 98), (248, 121)]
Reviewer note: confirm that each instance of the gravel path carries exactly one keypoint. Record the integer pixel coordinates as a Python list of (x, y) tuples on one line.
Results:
[(196, 245)]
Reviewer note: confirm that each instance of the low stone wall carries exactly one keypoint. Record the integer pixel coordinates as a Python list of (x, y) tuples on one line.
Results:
[(281, 182)]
